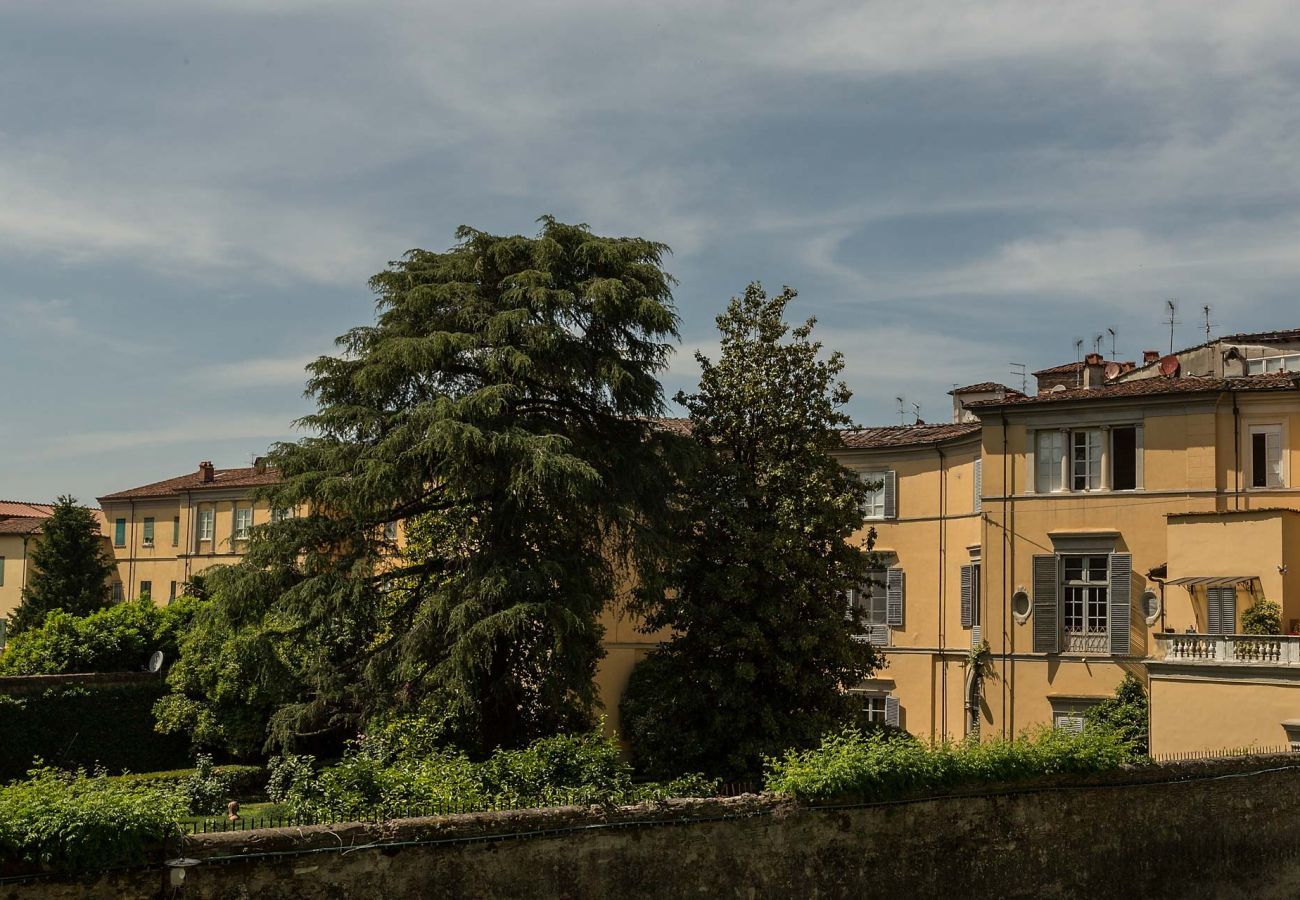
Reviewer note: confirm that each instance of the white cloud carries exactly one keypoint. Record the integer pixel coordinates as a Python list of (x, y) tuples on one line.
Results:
[(249, 373), (216, 427)]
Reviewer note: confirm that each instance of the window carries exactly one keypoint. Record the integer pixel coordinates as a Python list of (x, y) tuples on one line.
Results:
[(1266, 456), (146, 589), (176, 531), (873, 507), (872, 599), (1085, 459), (207, 520), (390, 531), (970, 597), (117, 592), (119, 532), (243, 522), (1287, 362), (1068, 720), (171, 593), (148, 531), (1124, 458), (1049, 447), (1087, 584), (873, 708), (279, 514)]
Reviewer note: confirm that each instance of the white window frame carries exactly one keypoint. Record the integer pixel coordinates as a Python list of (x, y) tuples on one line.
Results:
[(147, 529), (873, 506), (1087, 637), (242, 523), (1276, 362), (1087, 466), (1282, 474), (207, 525), (1047, 465), (877, 584)]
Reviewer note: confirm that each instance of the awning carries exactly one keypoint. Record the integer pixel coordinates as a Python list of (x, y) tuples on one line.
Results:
[(1213, 580)]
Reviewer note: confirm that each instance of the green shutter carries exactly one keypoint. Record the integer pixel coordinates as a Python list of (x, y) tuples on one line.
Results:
[(1119, 612), (1047, 631), (119, 532)]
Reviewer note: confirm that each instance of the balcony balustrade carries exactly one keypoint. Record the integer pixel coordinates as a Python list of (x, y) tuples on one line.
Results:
[(1274, 650)]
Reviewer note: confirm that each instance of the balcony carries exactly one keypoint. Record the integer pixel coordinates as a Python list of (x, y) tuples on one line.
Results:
[(1244, 649)]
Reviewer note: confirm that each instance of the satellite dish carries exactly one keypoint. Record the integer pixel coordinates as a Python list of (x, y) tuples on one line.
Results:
[(1169, 366), (156, 661), (1056, 389), (1112, 369)]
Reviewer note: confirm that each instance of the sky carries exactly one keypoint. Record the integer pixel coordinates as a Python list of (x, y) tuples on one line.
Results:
[(193, 195)]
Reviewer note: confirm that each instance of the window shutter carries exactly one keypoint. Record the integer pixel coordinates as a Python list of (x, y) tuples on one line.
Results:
[(1273, 450), (967, 613), (979, 485), (1221, 609), (894, 597), (848, 604), (891, 495), (891, 711), (1047, 634), (1119, 611), (1138, 481), (1213, 624), (878, 635)]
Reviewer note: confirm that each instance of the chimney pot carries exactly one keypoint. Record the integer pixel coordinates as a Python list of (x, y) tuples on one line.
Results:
[(1150, 356), (1093, 359), (207, 472)]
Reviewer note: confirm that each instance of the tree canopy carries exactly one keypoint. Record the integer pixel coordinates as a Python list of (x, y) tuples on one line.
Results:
[(70, 568), (501, 407), (764, 643)]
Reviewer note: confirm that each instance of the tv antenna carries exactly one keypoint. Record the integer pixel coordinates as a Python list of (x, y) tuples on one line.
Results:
[(1078, 357), (916, 408), (1018, 369), (902, 411), (1113, 355), (1172, 306), (1208, 326), (1096, 342)]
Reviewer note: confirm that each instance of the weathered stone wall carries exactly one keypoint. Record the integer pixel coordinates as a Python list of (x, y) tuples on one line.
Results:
[(1227, 829)]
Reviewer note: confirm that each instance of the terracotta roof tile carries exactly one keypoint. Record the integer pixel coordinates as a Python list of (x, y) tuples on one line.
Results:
[(22, 524), (1278, 381), (222, 478), (984, 386), (908, 435), (23, 508)]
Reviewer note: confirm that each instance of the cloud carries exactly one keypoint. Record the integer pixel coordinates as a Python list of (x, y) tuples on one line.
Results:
[(249, 373), (217, 427)]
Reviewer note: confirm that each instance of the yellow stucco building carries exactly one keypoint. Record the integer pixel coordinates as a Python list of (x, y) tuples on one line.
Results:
[(165, 533), (21, 525)]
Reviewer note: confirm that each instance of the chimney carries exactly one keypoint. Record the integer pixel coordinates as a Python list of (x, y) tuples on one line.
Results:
[(207, 472), (259, 465), (1094, 371), (1150, 356)]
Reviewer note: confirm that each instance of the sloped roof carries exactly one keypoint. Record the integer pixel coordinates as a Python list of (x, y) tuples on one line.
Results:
[(908, 435), (22, 524), (248, 477), (1275, 381), (1067, 368), (983, 387), (23, 508)]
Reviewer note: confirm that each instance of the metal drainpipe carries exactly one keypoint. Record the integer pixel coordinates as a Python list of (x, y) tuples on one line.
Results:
[(1236, 452), (943, 631), (130, 555), (1008, 638)]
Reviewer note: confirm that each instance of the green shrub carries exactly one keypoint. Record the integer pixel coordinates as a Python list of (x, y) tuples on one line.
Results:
[(75, 822), (1262, 617), (71, 726), (207, 791), (1127, 714), (401, 769), (119, 638), (867, 767)]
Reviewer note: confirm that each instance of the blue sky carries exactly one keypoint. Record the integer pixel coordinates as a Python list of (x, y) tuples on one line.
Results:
[(192, 195)]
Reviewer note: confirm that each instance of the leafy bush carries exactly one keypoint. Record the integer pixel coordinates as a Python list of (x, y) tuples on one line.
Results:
[(396, 770), (1262, 617), (119, 638), (207, 790), (880, 766), (109, 725), (78, 822), (1127, 714), (242, 781)]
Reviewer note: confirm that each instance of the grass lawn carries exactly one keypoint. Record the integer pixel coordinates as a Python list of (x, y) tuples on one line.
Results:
[(247, 811)]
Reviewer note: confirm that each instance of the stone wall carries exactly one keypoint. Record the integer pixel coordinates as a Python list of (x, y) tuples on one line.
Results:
[(1226, 829)]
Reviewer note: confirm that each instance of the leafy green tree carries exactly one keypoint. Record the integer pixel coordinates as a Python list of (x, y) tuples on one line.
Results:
[(1127, 713), (1262, 617), (764, 646), (70, 569), (118, 638), (502, 407)]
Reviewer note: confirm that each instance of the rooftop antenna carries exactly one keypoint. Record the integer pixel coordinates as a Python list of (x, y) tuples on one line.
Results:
[(902, 411), (1208, 326), (1096, 342), (916, 407), (1078, 357), (1113, 355), (1019, 369), (1172, 306)]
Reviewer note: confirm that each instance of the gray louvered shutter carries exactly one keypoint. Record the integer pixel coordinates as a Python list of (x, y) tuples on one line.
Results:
[(891, 495), (1119, 612), (849, 597), (894, 597), (878, 635), (1229, 610), (1047, 632), (1213, 623), (967, 612), (979, 485), (891, 711), (1221, 608)]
